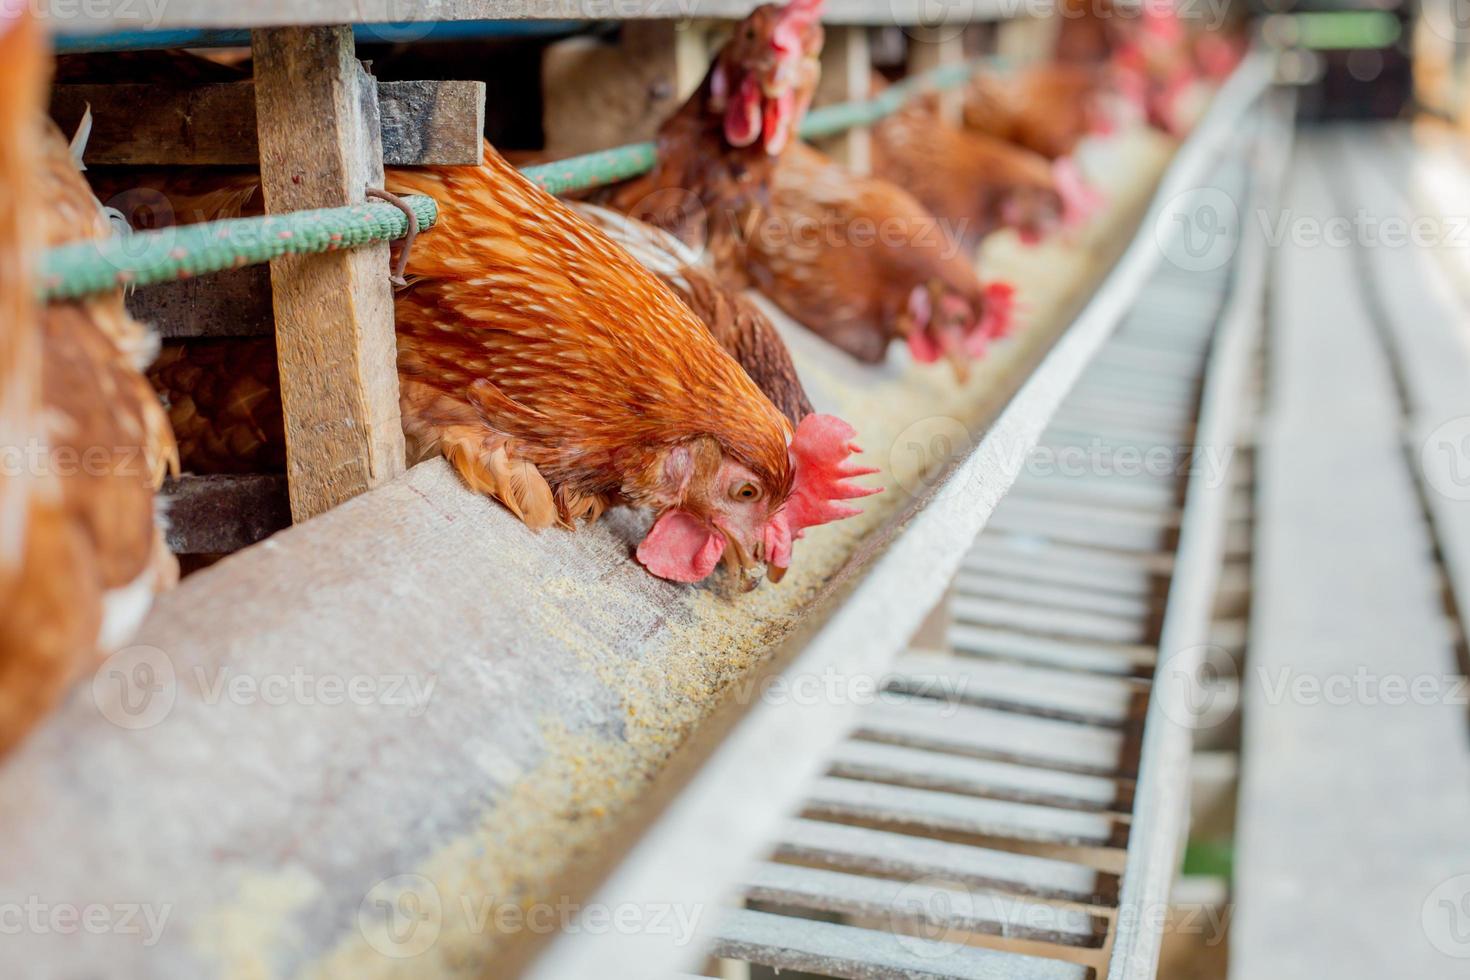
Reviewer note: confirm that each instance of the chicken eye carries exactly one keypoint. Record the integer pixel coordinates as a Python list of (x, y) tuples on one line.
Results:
[(745, 492)]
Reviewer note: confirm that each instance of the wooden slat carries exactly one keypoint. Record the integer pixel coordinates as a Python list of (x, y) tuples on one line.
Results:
[(304, 13), (320, 147), (233, 303), (1133, 533), (1051, 594), (215, 515), (1022, 688), (883, 852), (862, 954), (597, 94), (1035, 565), (928, 811), (1138, 492), (992, 734), (1063, 624), (927, 905), (902, 765), (846, 68), (1375, 776), (931, 47), (1423, 323), (423, 123), (1111, 562), (1122, 659)]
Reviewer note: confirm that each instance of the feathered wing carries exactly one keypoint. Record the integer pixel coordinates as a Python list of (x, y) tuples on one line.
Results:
[(734, 320), (848, 286), (92, 438), (536, 324)]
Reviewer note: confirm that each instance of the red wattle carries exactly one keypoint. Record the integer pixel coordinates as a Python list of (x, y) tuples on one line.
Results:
[(681, 548), (743, 115)]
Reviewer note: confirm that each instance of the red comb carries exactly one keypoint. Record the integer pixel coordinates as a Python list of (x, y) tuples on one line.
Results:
[(820, 452), (792, 18), (1080, 200), (997, 318)]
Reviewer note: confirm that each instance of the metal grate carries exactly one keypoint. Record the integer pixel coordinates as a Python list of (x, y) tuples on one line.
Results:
[(974, 823)]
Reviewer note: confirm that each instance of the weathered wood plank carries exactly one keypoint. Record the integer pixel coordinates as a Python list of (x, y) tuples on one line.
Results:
[(1374, 775), (216, 515), (1060, 595), (120, 15), (1022, 688), (597, 94), (423, 123), (1423, 324), (903, 765), (931, 47), (991, 734), (232, 303), (928, 905), (928, 811), (318, 125), (1043, 621), (846, 77), (883, 852), (863, 954), (1013, 561), (1122, 659)]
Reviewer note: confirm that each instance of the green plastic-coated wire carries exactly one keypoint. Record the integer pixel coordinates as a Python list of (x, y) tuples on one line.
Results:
[(610, 166), (181, 251), (594, 169)]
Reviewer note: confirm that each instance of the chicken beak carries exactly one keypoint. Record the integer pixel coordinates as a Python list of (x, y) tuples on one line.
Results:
[(952, 343), (960, 363), (740, 562), (775, 573)]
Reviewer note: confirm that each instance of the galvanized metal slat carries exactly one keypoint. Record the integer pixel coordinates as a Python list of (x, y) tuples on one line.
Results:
[(904, 765), (906, 808), (992, 734), (1040, 620), (1119, 659), (1051, 594), (929, 905), (1030, 561), (1078, 556), (863, 954), (1022, 688), (883, 852)]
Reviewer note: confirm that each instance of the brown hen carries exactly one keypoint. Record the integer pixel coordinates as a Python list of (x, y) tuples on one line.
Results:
[(717, 153), (80, 552), (861, 263), (976, 183)]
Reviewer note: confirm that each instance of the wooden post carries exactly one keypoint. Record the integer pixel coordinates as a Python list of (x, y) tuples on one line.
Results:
[(598, 95), (1022, 40), (847, 76), (320, 146), (930, 47)]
